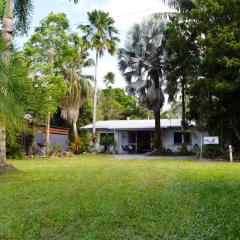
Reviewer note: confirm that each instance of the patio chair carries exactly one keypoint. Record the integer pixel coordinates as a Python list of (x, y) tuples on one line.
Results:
[(125, 149)]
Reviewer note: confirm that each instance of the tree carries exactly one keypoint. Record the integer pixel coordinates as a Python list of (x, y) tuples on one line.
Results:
[(78, 85), (214, 94), (115, 104), (181, 61), (109, 79), (101, 36), (141, 64), (15, 93), (182, 6), (20, 10), (49, 44)]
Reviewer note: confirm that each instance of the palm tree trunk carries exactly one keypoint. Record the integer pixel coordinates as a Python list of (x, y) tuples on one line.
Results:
[(48, 119), (7, 27), (95, 102), (7, 30), (75, 131), (158, 138), (2, 146), (184, 145)]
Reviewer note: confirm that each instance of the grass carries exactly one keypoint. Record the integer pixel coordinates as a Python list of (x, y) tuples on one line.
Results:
[(95, 197)]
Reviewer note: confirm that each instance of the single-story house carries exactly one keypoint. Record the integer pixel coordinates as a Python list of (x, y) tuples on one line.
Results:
[(138, 135)]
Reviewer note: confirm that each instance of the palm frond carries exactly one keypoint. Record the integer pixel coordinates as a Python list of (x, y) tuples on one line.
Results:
[(23, 10)]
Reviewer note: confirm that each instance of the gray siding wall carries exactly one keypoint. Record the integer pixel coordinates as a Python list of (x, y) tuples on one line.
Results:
[(54, 139)]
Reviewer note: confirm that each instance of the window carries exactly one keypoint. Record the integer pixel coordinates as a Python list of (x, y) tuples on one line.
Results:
[(178, 138)]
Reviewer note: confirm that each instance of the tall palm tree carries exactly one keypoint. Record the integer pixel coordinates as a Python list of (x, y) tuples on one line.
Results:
[(101, 35), (78, 84), (141, 64)]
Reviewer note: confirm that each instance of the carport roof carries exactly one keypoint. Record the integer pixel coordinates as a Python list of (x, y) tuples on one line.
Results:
[(134, 124)]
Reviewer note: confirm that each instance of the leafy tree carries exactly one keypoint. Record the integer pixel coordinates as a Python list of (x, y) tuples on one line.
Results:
[(175, 110), (49, 44), (78, 85), (20, 10), (215, 93), (101, 35), (115, 104), (141, 64), (180, 63)]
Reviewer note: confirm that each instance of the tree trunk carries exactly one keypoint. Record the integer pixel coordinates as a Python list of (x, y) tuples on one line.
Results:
[(7, 29), (184, 145), (48, 119), (2, 146), (95, 103), (158, 138), (75, 131)]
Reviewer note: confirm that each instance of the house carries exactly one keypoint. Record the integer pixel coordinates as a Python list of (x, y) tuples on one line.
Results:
[(137, 136), (34, 142)]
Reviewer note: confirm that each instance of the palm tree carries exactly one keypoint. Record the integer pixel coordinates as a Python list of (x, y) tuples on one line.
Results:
[(78, 85), (13, 91), (109, 79), (101, 36), (141, 64), (181, 5)]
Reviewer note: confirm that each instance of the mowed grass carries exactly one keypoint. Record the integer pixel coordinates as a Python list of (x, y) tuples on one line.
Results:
[(96, 197)]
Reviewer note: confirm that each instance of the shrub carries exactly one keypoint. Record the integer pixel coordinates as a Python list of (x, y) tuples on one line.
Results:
[(106, 140)]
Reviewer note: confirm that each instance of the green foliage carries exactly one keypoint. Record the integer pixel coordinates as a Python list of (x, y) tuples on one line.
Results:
[(85, 113), (106, 140), (100, 33), (211, 151), (49, 44), (202, 46), (85, 139), (109, 79), (15, 153), (15, 91), (115, 104)]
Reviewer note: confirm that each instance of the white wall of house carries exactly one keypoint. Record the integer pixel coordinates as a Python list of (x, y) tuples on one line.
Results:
[(121, 139), (168, 138)]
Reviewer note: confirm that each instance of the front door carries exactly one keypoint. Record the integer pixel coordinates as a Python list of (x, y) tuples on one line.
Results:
[(143, 141)]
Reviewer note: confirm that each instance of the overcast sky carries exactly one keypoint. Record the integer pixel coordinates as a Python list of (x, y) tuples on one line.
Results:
[(124, 12)]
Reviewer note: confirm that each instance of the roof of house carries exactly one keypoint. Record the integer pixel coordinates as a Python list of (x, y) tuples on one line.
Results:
[(134, 124)]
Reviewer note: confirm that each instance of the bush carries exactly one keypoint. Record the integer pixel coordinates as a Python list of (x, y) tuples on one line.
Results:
[(106, 140), (211, 151), (15, 153), (85, 140)]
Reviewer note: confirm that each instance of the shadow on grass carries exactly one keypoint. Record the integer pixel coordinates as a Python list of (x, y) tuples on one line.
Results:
[(7, 169)]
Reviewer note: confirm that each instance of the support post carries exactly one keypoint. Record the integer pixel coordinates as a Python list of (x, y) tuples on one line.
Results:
[(201, 148), (231, 153)]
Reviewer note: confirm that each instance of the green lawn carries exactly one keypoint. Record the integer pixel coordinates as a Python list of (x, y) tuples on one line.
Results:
[(95, 197)]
